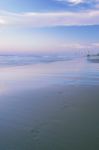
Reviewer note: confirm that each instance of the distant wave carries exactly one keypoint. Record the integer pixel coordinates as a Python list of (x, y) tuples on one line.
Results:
[(26, 60)]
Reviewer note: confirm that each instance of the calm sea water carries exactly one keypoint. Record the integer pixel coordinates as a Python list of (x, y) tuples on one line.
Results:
[(50, 104)]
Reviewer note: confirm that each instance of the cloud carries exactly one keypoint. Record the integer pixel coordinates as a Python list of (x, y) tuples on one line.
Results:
[(2, 22), (91, 3), (48, 19), (74, 2)]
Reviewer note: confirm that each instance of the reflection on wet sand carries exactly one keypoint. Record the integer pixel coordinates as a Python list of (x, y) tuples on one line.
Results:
[(49, 106)]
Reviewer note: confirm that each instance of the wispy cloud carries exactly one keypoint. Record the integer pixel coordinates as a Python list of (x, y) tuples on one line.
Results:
[(74, 2), (32, 19), (79, 2)]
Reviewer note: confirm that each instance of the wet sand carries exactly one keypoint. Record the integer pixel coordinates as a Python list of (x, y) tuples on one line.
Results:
[(54, 118), (50, 107)]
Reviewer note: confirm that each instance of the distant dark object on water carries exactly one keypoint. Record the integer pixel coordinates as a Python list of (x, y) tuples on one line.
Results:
[(93, 58)]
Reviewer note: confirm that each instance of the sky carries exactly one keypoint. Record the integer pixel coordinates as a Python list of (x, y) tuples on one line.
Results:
[(49, 26)]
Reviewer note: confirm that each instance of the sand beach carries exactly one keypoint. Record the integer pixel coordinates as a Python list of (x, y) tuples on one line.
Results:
[(50, 106)]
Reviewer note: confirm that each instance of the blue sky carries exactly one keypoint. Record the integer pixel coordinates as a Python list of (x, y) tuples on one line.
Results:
[(49, 26)]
